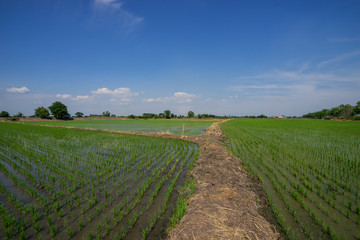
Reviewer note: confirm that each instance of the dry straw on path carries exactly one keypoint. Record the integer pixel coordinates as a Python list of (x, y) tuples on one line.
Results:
[(227, 201)]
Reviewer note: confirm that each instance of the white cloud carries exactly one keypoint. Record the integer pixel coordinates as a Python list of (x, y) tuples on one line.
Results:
[(112, 11), (275, 89), (182, 97), (108, 3), (119, 92), (340, 58), (179, 97), (102, 91), (149, 100), (79, 98), (63, 96), (344, 40), (306, 89), (18, 90), (293, 76)]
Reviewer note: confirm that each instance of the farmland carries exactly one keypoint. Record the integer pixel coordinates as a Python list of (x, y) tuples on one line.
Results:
[(74, 184), (191, 127), (309, 170)]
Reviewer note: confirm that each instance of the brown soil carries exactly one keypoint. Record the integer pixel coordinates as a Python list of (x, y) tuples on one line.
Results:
[(227, 202)]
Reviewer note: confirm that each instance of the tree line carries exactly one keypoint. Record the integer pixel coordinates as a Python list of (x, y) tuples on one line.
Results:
[(344, 111), (167, 114), (59, 110)]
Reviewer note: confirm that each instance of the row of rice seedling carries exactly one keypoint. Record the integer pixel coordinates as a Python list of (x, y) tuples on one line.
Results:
[(309, 169), (67, 183)]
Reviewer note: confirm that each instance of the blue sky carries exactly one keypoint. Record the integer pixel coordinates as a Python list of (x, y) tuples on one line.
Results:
[(220, 57)]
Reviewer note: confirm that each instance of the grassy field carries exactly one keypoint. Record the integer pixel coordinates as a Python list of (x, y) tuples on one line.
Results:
[(191, 127), (310, 171), (75, 184)]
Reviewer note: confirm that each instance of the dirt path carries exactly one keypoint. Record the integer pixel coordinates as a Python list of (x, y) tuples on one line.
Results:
[(227, 202)]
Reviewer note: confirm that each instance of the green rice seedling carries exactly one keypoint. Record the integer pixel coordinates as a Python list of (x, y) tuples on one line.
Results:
[(56, 206), (22, 235), (145, 233), (122, 214), (116, 236), (115, 220), (90, 217), (49, 220), (133, 220), (53, 230), (79, 165), (71, 206), (98, 236), (37, 227), (107, 229), (47, 210), (97, 211), (8, 233), (179, 211), (36, 216), (69, 232), (313, 157), (115, 213), (123, 232), (60, 214), (98, 227), (80, 224)]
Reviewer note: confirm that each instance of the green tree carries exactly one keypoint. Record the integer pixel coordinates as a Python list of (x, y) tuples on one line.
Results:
[(4, 114), (59, 110), (167, 113), (42, 112), (346, 111), (106, 114), (191, 114), (79, 114), (19, 115), (357, 108)]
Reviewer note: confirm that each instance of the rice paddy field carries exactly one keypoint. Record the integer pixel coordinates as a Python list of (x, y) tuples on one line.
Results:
[(191, 127), (58, 183), (310, 171)]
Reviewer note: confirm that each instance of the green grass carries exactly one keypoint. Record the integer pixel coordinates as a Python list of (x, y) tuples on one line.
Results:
[(309, 169), (192, 127)]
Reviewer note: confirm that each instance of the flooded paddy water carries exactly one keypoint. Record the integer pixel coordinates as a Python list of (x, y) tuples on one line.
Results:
[(176, 127), (75, 184)]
